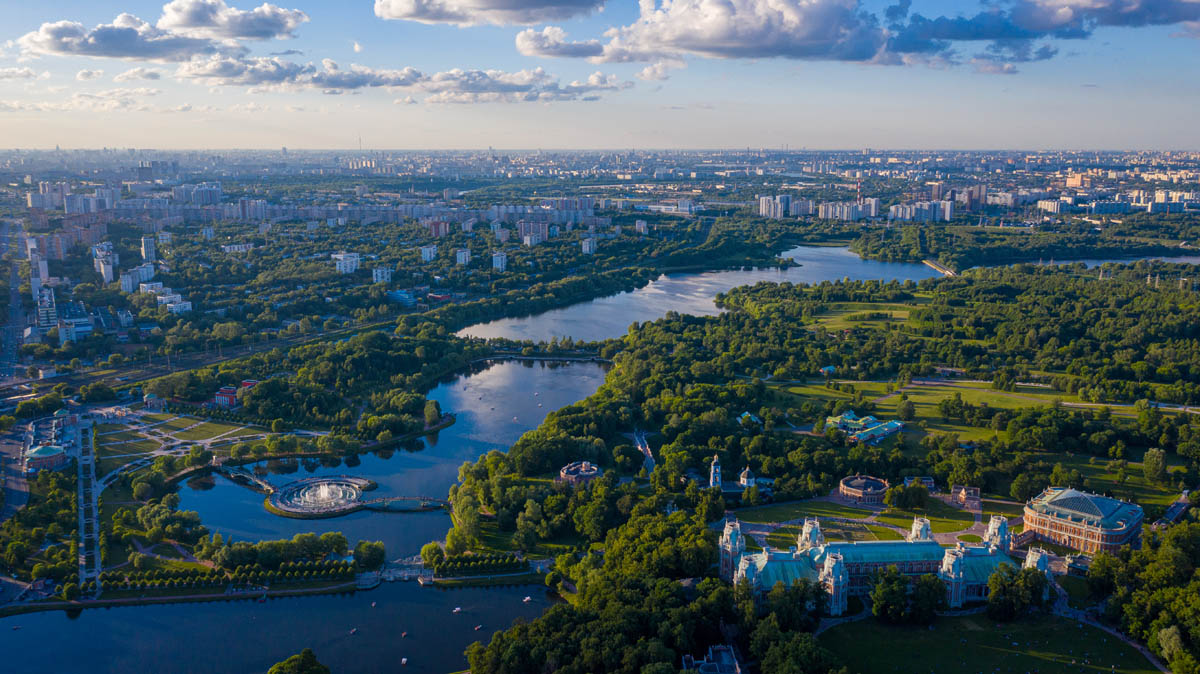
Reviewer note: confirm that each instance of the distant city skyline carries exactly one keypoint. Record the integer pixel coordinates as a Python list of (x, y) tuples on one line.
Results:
[(585, 74)]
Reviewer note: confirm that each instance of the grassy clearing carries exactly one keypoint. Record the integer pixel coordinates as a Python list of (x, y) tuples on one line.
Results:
[(943, 519), (1078, 594), (884, 533), (783, 512), (1007, 509), (974, 644), (205, 431)]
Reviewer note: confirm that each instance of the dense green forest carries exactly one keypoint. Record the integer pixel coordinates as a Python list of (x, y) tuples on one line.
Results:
[(960, 247)]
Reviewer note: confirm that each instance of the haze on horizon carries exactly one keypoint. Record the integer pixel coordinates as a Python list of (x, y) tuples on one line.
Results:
[(590, 74)]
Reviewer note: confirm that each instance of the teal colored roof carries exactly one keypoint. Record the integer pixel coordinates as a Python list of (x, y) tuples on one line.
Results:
[(787, 571), (977, 569), (1091, 509), (867, 552), (62, 412), (42, 451)]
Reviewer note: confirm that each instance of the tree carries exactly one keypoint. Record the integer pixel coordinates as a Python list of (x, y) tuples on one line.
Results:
[(906, 410), (432, 554), (433, 413), (304, 662), (1154, 465), (1023, 487), (889, 597), (369, 554), (928, 596), (1012, 593), (798, 653)]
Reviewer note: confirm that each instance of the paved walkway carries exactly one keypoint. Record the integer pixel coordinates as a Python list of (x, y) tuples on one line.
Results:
[(1063, 609)]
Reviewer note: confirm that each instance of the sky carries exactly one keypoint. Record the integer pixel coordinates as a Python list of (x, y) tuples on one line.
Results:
[(616, 74)]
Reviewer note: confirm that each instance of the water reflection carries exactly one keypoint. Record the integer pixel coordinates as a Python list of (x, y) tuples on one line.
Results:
[(609, 317)]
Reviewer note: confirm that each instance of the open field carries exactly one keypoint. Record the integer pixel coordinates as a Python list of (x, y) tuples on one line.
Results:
[(206, 430), (942, 518), (1048, 645), (783, 512), (843, 315)]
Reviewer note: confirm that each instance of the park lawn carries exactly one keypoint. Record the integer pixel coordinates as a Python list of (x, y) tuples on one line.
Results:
[(783, 512), (1009, 510), (1049, 645), (943, 519), (109, 428), (176, 423), (119, 436), (153, 418), (205, 431), (884, 533), (1078, 594), (247, 430), (840, 316), (140, 446)]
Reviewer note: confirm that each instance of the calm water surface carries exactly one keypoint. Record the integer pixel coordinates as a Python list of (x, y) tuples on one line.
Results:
[(494, 406), (609, 317)]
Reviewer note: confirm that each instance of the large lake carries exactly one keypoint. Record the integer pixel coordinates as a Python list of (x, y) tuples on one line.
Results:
[(608, 317)]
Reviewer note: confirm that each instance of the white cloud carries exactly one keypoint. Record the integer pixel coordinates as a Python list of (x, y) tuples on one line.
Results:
[(17, 74), (552, 41), (358, 48), (495, 86), (799, 29), (127, 37), (139, 73), (111, 100), (475, 12), (85, 75), (660, 70), (214, 19)]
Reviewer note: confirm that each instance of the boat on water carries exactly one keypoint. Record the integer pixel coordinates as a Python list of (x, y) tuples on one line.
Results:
[(403, 634), (403, 661), (372, 604), (478, 627), (526, 600), (457, 609), (354, 631)]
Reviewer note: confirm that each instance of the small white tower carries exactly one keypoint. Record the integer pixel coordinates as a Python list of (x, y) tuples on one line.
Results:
[(810, 536), (714, 473), (997, 533), (837, 583), (920, 531), (953, 576)]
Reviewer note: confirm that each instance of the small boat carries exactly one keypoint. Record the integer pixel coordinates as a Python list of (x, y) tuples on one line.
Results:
[(514, 418), (478, 627), (16, 627), (535, 393), (539, 404), (354, 631), (372, 604), (526, 600), (403, 634), (403, 661), (457, 609)]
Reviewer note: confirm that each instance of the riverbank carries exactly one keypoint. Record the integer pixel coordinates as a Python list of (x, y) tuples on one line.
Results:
[(64, 605)]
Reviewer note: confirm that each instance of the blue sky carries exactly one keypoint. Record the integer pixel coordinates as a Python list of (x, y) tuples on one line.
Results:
[(588, 74)]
